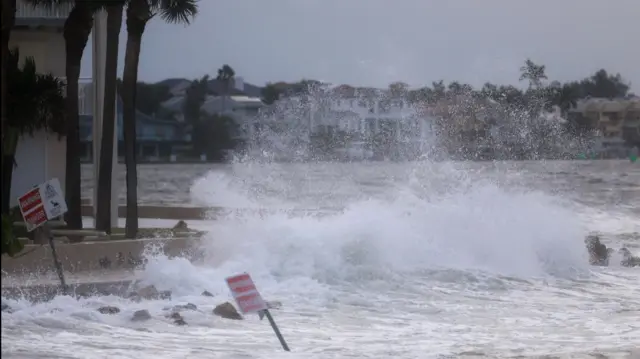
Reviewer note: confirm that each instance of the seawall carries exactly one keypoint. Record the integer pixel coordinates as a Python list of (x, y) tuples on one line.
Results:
[(94, 255)]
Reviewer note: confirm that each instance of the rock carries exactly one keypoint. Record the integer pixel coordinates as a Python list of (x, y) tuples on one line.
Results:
[(628, 260), (181, 226), (177, 319), (181, 307), (206, 293), (598, 252), (228, 311), (6, 308), (188, 306), (109, 310), (149, 292), (274, 304), (141, 315)]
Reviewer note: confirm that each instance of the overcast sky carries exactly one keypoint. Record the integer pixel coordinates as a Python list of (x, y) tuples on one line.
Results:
[(375, 42)]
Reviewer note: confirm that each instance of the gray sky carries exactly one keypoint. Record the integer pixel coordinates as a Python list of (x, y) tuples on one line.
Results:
[(375, 42)]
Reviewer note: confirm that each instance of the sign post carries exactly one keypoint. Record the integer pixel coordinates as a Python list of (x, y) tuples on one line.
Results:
[(249, 300), (40, 205)]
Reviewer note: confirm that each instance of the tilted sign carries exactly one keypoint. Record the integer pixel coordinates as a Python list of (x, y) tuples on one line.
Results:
[(249, 300), (246, 294), (41, 204)]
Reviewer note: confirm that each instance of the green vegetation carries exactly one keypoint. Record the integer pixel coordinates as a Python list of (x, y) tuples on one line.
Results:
[(33, 102)]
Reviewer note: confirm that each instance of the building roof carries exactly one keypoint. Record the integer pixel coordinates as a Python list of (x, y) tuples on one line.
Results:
[(606, 105), (217, 87)]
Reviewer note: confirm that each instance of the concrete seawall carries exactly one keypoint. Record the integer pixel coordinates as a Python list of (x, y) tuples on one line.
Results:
[(160, 212), (212, 213), (38, 292), (94, 256)]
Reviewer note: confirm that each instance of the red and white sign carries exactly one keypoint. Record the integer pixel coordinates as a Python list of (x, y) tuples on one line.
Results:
[(42, 204), (246, 294)]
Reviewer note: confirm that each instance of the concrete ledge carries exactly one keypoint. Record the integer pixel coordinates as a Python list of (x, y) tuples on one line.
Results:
[(46, 292), (94, 256), (160, 212), (198, 213)]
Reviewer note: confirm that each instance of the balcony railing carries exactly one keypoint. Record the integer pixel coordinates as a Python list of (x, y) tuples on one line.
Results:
[(25, 10)]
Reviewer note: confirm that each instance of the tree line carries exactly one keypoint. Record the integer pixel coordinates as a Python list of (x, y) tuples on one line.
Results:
[(76, 31), (465, 115)]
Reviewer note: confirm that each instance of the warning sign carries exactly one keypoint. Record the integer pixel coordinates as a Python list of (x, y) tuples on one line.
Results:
[(42, 204), (246, 294)]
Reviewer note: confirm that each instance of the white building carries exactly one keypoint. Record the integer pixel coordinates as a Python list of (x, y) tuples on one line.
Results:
[(243, 109), (617, 122), (38, 34), (291, 122), (353, 115)]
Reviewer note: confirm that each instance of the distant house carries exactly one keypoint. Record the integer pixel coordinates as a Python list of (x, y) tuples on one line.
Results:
[(156, 139), (178, 87), (616, 120)]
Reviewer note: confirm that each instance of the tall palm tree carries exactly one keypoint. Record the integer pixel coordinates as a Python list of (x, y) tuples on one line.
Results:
[(533, 73), (8, 20), (76, 32), (139, 12), (115, 9), (226, 75)]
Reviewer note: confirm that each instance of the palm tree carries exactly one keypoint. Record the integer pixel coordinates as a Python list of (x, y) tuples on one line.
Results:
[(115, 9), (8, 20), (533, 73), (139, 12), (34, 102), (226, 75), (76, 32)]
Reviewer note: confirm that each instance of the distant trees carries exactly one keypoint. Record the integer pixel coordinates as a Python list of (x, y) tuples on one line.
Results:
[(465, 113)]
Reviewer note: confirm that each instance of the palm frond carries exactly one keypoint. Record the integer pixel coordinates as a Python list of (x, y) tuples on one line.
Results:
[(177, 11), (35, 101)]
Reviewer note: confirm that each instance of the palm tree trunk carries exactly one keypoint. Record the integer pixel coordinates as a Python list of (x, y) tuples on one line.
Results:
[(10, 144), (137, 17), (77, 29), (114, 23), (8, 20)]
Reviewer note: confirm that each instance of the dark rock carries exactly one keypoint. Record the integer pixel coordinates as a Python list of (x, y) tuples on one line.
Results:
[(206, 293), (109, 310), (628, 260), (228, 311), (141, 315), (188, 306), (181, 226), (6, 308), (177, 319), (181, 307), (149, 292), (598, 253)]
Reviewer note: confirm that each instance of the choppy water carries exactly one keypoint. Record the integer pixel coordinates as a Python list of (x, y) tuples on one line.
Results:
[(444, 260)]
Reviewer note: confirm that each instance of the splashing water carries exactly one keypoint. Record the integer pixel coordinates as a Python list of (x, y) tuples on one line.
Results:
[(434, 262)]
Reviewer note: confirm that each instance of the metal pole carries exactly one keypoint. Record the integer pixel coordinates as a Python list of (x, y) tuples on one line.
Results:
[(276, 330), (56, 262)]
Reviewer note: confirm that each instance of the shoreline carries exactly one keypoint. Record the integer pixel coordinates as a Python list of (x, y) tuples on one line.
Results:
[(197, 161)]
